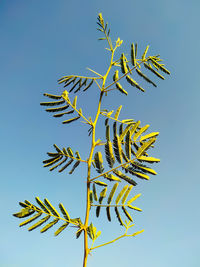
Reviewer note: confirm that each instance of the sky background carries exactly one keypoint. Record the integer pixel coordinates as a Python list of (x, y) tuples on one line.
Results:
[(44, 40)]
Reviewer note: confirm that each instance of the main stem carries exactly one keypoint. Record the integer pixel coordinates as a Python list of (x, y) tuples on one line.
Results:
[(86, 249)]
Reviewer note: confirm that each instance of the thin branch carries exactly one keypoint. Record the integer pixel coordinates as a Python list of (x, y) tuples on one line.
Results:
[(80, 114), (112, 241), (98, 85), (96, 74), (102, 174), (142, 61)]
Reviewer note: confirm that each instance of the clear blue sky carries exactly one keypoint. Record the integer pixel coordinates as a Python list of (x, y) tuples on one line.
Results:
[(40, 42)]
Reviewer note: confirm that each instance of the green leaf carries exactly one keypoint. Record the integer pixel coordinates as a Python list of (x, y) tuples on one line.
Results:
[(121, 194), (124, 177), (66, 165), (133, 56), (118, 85), (136, 50), (127, 214), (98, 162), (107, 132), (61, 228), (100, 183), (134, 128), (128, 127), (75, 85), (112, 192), (87, 87), (52, 209), (138, 174), (51, 161), (108, 213), (70, 152), (24, 213), (133, 199), (148, 159), (128, 145), (31, 219), (80, 85), (91, 197), (74, 167), (121, 89), (142, 130), (57, 149), (91, 230), (42, 205), (58, 115), (145, 52), (134, 208), (94, 192), (49, 225), (57, 109), (143, 168), (145, 137), (126, 194), (65, 79), (71, 120), (109, 154), (123, 64), (111, 177), (145, 147), (118, 112), (154, 71), (52, 103), (118, 216), (53, 96), (72, 81), (60, 163), (145, 77), (117, 148), (78, 233), (64, 212), (159, 66), (74, 102), (134, 83), (43, 220), (102, 195)]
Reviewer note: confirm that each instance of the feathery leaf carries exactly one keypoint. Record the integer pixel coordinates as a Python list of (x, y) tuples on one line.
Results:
[(70, 120), (61, 228), (121, 194), (112, 192), (31, 219), (43, 220), (53, 96), (134, 83), (124, 177), (64, 212), (49, 225)]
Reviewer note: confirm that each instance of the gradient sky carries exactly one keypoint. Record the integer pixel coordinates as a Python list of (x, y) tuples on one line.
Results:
[(44, 40)]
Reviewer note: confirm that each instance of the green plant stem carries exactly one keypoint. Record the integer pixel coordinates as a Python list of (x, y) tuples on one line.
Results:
[(86, 249)]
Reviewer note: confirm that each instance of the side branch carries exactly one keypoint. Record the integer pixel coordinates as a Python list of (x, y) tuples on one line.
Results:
[(65, 96), (129, 71), (112, 241), (102, 174)]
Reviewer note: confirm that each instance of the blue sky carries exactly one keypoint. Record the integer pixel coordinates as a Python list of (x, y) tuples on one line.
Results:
[(44, 40)]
